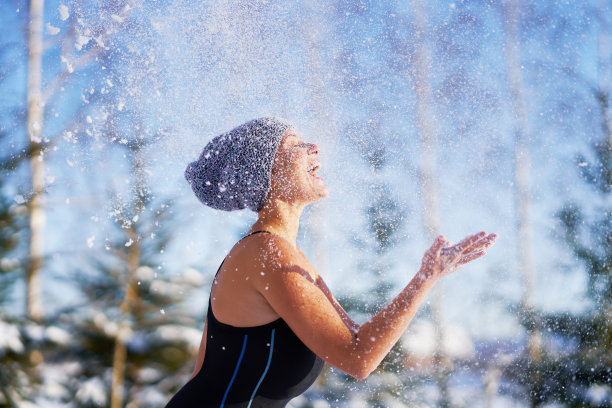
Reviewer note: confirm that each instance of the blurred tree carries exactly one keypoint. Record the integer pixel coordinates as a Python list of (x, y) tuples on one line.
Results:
[(18, 353), (531, 362), (12, 223), (134, 340), (576, 367), (384, 219), (324, 123), (34, 307), (23, 342), (38, 99), (16, 371), (426, 128), (405, 48), (384, 216), (511, 20)]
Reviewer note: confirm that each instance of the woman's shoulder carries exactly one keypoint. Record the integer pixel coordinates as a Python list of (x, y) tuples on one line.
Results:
[(273, 254), (268, 248)]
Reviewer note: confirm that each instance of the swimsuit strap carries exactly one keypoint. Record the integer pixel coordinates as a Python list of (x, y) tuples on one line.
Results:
[(222, 262), (253, 233)]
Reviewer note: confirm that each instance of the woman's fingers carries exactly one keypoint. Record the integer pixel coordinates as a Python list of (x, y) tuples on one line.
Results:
[(438, 244), (449, 259), (473, 256), (479, 249), (488, 241), (473, 243), (465, 245)]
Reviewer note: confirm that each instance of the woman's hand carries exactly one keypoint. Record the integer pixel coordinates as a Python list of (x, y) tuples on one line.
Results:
[(292, 289), (442, 259)]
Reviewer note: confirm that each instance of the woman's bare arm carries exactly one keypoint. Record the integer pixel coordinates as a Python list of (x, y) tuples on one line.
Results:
[(341, 312), (309, 312)]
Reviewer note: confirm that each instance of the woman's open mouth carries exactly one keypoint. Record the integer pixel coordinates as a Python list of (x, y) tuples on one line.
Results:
[(313, 170)]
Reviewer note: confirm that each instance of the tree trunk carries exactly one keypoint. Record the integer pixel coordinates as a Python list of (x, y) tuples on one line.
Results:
[(427, 166), (34, 308), (605, 93), (131, 289), (604, 68), (35, 110), (129, 300), (521, 174), (119, 360), (324, 124), (317, 220)]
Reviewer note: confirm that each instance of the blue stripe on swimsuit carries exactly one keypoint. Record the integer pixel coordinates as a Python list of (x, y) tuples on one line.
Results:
[(249, 367)]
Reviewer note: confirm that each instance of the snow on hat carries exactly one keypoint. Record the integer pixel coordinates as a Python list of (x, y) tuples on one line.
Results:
[(234, 169)]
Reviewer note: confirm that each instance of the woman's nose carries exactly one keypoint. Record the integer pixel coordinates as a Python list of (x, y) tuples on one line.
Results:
[(313, 148)]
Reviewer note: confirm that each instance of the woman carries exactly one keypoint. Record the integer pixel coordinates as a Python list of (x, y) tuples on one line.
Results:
[(272, 321)]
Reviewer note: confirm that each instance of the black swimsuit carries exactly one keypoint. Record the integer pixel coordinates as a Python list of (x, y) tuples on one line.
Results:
[(260, 366)]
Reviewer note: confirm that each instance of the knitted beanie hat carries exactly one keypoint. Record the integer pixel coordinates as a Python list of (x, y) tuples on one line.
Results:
[(234, 169)]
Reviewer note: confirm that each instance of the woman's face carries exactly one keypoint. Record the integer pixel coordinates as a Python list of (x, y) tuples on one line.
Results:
[(294, 173)]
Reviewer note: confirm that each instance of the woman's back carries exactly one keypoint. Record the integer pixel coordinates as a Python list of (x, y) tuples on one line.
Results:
[(257, 366), (261, 366), (256, 358)]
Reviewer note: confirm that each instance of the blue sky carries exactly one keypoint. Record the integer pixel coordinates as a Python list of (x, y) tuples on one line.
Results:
[(191, 70)]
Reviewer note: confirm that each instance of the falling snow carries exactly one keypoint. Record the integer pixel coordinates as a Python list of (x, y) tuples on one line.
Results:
[(63, 12), (405, 101)]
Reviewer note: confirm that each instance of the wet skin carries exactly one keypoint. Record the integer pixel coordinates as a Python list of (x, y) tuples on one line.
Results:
[(266, 276)]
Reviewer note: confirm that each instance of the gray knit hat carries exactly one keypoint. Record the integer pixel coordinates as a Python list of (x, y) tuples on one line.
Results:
[(233, 171)]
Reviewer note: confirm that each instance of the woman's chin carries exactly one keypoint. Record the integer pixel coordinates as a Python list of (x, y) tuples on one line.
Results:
[(322, 190), (325, 192), (322, 193), (318, 195)]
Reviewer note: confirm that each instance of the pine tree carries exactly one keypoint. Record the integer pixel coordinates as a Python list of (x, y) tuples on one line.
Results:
[(590, 239), (384, 219), (37, 130), (15, 367), (581, 374), (133, 338), (12, 223), (571, 376), (585, 366)]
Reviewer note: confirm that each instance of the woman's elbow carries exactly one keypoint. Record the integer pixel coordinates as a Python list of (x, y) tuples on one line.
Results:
[(360, 373), (354, 364)]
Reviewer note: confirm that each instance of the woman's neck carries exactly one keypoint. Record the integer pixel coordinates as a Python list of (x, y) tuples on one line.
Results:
[(280, 218)]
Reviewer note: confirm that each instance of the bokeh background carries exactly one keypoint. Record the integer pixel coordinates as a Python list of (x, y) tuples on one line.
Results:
[(431, 117)]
